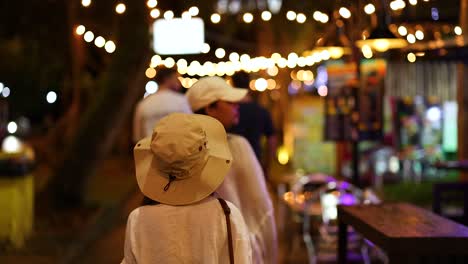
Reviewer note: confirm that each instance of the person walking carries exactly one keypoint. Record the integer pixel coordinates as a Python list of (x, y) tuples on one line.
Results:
[(155, 106), (179, 170), (245, 184)]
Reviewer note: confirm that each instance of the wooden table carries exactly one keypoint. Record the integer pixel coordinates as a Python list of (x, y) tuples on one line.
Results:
[(404, 231)]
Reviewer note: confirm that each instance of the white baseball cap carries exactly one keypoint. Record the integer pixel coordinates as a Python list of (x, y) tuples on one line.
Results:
[(208, 90), (184, 161)]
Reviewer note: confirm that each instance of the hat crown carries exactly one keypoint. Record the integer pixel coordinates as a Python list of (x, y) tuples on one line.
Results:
[(178, 144)]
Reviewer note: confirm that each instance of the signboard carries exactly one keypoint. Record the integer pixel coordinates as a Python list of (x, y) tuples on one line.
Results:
[(178, 36)]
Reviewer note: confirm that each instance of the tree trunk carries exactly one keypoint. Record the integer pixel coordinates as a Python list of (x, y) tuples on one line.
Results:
[(99, 125)]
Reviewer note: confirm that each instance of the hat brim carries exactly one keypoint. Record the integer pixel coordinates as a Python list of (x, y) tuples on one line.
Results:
[(194, 188), (234, 95)]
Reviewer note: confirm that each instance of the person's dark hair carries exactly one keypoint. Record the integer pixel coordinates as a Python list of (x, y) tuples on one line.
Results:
[(202, 111), (163, 73), (241, 79)]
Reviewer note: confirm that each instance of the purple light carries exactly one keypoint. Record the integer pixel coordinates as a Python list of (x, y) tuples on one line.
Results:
[(347, 199), (435, 13)]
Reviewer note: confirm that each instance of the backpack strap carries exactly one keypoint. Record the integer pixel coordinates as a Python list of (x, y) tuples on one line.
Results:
[(227, 212)]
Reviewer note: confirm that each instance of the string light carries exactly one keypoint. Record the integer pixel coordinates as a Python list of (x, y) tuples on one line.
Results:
[(100, 42), (458, 30), (266, 15), (413, 2), (186, 15), (234, 56), (367, 51), (89, 36), (291, 15), (320, 17), (85, 3), (110, 46), (369, 9), (205, 48), (169, 62), (152, 3), (169, 15), (51, 97), (411, 57), (215, 18), (220, 53), (273, 71), (261, 84), (194, 11), (397, 5), (80, 30), (323, 90), (248, 18), (419, 34), (301, 18), (402, 30), (155, 13), (120, 8), (411, 38), (344, 12), (150, 72)]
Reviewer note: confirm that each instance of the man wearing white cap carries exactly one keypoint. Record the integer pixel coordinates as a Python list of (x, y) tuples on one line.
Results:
[(180, 169), (245, 184)]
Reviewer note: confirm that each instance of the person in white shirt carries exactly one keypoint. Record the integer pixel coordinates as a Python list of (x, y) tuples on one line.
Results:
[(245, 184), (156, 106), (179, 170)]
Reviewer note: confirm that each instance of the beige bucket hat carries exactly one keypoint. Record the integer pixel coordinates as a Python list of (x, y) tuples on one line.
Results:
[(208, 90), (184, 161)]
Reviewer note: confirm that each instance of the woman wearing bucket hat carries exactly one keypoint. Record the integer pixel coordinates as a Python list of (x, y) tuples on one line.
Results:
[(179, 168), (245, 184)]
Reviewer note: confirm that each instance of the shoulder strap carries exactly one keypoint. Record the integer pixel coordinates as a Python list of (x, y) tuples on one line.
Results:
[(227, 212)]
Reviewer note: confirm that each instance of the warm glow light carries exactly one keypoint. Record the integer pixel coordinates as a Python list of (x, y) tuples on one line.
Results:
[(186, 15), (155, 13), (369, 9), (271, 84), (182, 64), (367, 51), (110, 46), (344, 12), (323, 90), (99, 42), (51, 97), (150, 72), (273, 71), (12, 127), (266, 15), (234, 56), (411, 38), (411, 57), (194, 11), (402, 30), (89, 36), (413, 2), (261, 84), (151, 87), (11, 144), (458, 30), (152, 3), (283, 155), (205, 48), (85, 3), (291, 15), (248, 18), (397, 5), (80, 30), (301, 18), (215, 18), (169, 14), (169, 62), (419, 34), (120, 8), (220, 53)]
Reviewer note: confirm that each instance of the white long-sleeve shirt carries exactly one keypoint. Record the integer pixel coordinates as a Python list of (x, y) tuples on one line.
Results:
[(153, 108), (195, 233), (245, 187)]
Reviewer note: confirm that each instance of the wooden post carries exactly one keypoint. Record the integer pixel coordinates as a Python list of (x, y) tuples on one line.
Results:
[(462, 94)]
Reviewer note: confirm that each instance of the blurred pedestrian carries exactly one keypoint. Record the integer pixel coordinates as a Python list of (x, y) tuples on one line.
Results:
[(255, 123), (179, 170), (156, 106), (245, 184)]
